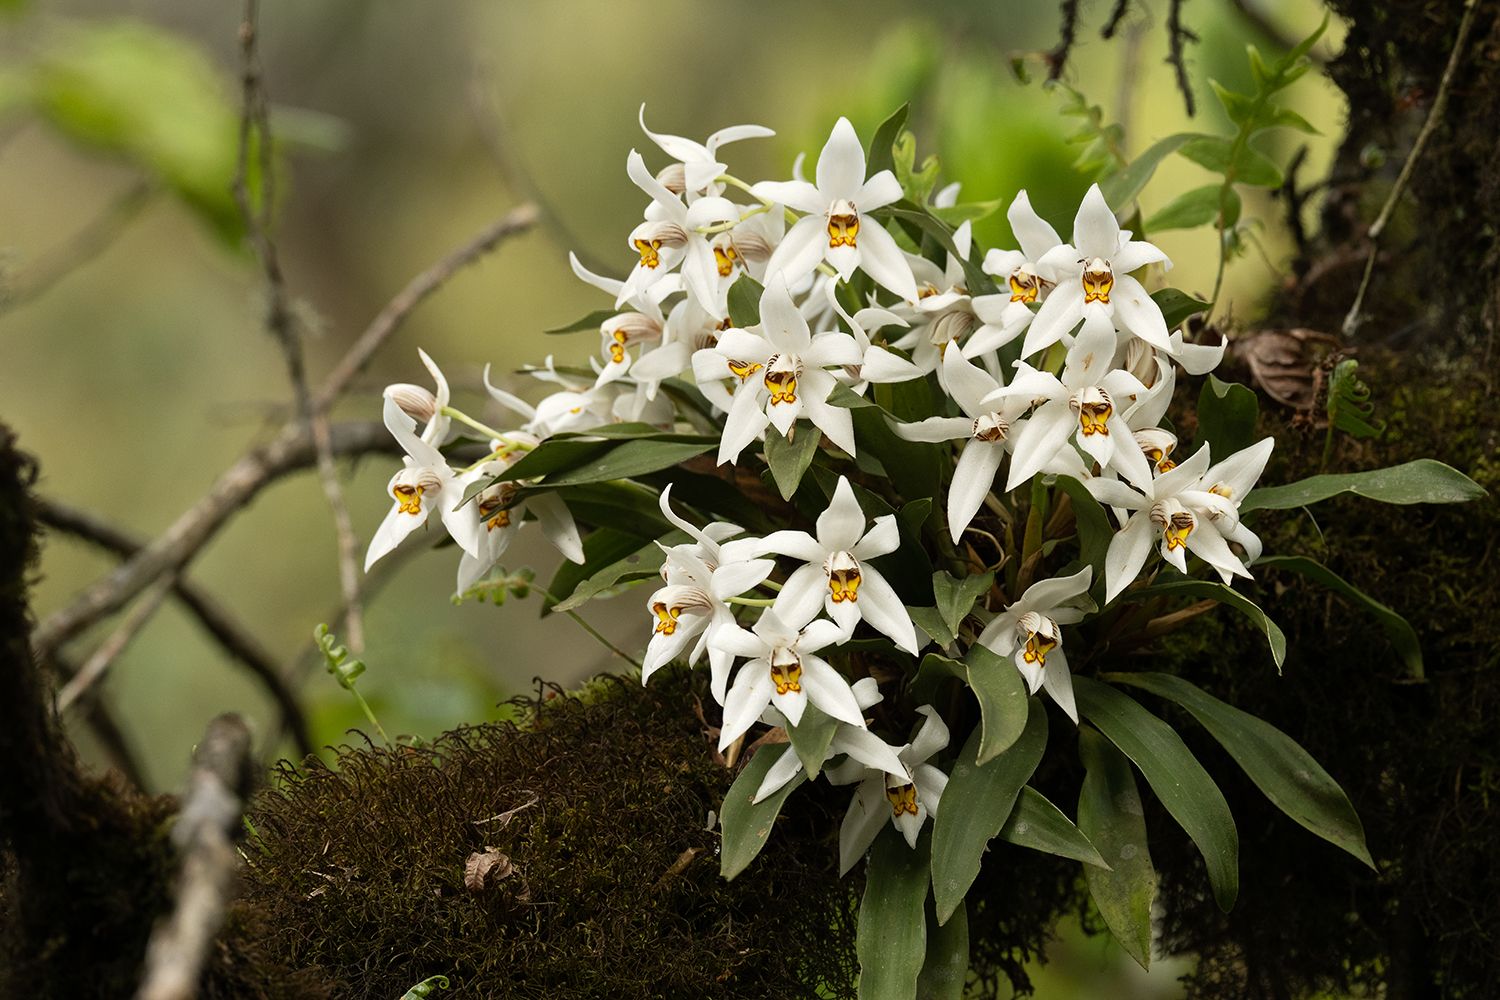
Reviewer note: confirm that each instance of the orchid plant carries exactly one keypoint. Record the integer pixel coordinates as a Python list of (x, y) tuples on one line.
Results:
[(883, 478)]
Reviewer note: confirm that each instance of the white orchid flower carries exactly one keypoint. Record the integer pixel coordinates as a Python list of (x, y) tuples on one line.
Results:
[(984, 429), (673, 233), (1029, 633), (744, 248), (943, 314), (877, 364), (783, 672), (1172, 509), (494, 518), (424, 485), (838, 576), (838, 227), (1006, 314), (698, 168), (778, 372), (1092, 277), (858, 743), (1222, 489), (1082, 405), (700, 578), (570, 409), (906, 797), (424, 406)]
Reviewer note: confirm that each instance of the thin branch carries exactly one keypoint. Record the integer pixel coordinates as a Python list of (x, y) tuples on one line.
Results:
[(205, 831), (255, 124), (390, 319), (1434, 118), (97, 236), (109, 650), (106, 728), (1115, 17), (1177, 39), (1057, 59), (232, 637), (288, 452)]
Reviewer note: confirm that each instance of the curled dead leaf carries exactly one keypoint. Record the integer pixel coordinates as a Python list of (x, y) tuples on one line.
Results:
[(486, 867)]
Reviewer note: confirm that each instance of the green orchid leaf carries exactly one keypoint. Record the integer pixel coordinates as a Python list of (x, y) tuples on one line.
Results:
[(788, 460), (1176, 307), (1287, 774), (592, 321), (977, 802), (1094, 529), (746, 825), (811, 738), (930, 621), (744, 302), (945, 970), (1037, 824), (1214, 591), (1110, 815), (625, 460), (601, 548), (1174, 774), (642, 564), (1238, 163), (955, 597), (891, 942), (1397, 628), (883, 142), (1002, 700), (1198, 207), (1122, 188), (1227, 412), (932, 672), (1422, 481)]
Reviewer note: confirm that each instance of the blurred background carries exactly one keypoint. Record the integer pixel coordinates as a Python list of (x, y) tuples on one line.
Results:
[(405, 128)]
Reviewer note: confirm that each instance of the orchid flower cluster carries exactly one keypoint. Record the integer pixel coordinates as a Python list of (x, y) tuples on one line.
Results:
[(891, 487)]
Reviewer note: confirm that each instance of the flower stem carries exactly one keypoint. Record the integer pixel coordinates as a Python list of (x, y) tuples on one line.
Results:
[(752, 602), (464, 418), (369, 714), (603, 641)]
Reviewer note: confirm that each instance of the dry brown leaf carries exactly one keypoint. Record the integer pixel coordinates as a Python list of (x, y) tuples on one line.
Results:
[(486, 867)]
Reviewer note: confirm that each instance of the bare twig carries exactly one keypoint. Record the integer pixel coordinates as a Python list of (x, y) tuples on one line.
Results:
[(233, 637), (389, 320), (106, 729), (211, 817), (1057, 59), (109, 650), (289, 451), (1177, 39), (1115, 17), (255, 124), (1434, 118), (97, 236)]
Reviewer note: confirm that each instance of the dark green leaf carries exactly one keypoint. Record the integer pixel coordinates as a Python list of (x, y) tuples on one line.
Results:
[(930, 621), (1398, 629), (1122, 188), (1287, 774), (601, 548), (590, 322), (946, 968), (1176, 307), (1215, 591), (1248, 166), (744, 302), (1110, 815), (932, 673), (1002, 700), (977, 802), (883, 142), (1350, 408), (892, 938), (625, 461), (1227, 412), (1174, 774), (746, 825), (811, 737), (1037, 824), (644, 563), (975, 279), (1422, 481), (620, 504), (788, 460), (553, 455), (1094, 530), (955, 598), (967, 211), (1198, 207)]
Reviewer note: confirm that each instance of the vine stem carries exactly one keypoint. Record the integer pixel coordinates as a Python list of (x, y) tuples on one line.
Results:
[(1434, 116)]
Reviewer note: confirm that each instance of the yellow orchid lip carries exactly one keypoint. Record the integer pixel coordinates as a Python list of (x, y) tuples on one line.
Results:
[(903, 799), (786, 671), (1098, 280)]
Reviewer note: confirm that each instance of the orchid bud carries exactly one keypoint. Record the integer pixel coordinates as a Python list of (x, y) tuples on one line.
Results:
[(416, 402)]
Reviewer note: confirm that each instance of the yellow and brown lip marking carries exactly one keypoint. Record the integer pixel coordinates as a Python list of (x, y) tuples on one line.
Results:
[(843, 230), (1093, 418), (1037, 648), (617, 349), (903, 799), (725, 257), (843, 585), (493, 513), (666, 617), (1098, 279), (787, 676), (743, 369), (650, 253), (783, 386), (1024, 287), (1178, 527), (408, 497), (1160, 458)]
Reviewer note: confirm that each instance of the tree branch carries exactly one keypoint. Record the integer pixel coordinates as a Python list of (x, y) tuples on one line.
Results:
[(232, 637), (205, 831), (109, 650)]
